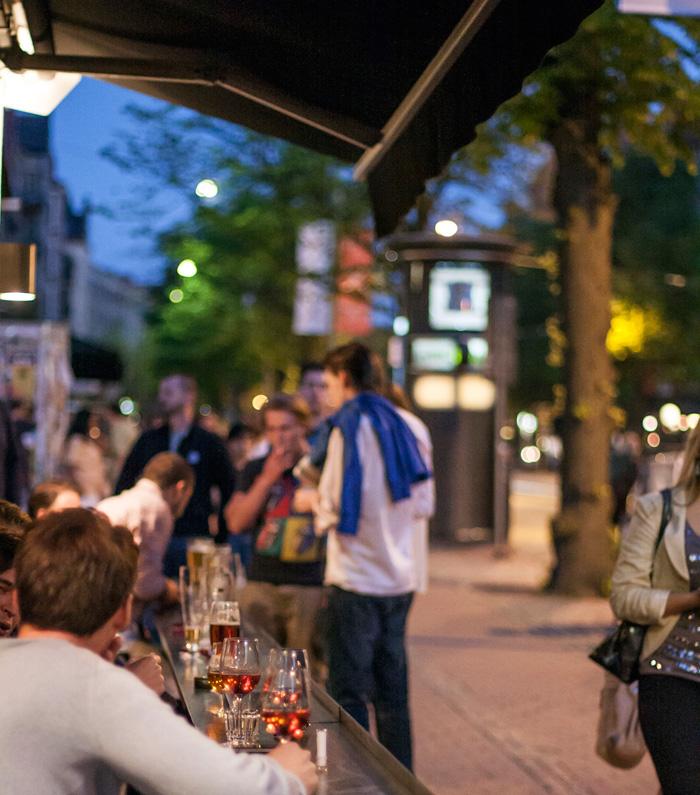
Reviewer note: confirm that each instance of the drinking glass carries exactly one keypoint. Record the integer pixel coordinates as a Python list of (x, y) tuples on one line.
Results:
[(240, 674), (199, 552), (224, 621), (284, 658), (214, 676), (194, 611), (285, 702), (221, 581)]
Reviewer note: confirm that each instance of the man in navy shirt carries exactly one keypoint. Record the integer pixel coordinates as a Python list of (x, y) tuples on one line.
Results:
[(202, 450)]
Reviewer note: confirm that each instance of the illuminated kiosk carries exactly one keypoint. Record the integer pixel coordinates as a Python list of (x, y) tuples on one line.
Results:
[(457, 359)]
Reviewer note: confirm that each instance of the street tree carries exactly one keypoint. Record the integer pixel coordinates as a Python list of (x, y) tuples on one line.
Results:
[(230, 324), (622, 83)]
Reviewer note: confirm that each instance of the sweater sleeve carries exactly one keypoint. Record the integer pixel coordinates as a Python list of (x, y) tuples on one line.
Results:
[(632, 596), (159, 753), (330, 486)]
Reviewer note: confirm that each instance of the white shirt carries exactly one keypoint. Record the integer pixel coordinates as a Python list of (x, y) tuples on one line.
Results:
[(380, 559), (427, 493), (144, 512), (73, 724)]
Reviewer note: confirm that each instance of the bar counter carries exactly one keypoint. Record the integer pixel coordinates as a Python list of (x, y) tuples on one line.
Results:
[(357, 763)]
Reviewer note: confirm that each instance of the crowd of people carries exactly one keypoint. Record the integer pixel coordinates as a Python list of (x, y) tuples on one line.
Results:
[(332, 501)]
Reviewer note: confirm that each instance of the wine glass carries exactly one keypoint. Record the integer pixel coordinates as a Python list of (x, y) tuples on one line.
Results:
[(284, 658), (240, 674), (224, 621), (285, 703), (214, 676)]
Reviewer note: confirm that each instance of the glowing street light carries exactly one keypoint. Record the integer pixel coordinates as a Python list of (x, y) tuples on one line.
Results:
[(126, 406), (670, 416), (176, 295), (259, 401), (206, 189), (187, 268), (526, 422), (446, 227), (650, 423), (401, 326)]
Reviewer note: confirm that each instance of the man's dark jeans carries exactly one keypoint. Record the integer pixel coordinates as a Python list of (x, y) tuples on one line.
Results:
[(367, 663)]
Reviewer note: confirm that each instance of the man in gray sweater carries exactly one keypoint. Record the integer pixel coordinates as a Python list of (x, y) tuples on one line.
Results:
[(73, 723)]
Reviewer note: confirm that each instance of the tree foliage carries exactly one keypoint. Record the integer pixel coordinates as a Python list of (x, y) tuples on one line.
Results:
[(622, 84), (233, 326)]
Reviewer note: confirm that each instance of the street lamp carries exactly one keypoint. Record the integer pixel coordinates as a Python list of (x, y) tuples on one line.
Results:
[(187, 268), (446, 227), (206, 189)]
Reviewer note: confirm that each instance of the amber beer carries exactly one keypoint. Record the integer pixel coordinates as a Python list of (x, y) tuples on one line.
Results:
[(191, 636), (219, 631), (199, 551)]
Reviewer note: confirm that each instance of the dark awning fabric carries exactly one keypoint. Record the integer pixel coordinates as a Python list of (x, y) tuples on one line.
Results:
[(326, 75), (92, 361)]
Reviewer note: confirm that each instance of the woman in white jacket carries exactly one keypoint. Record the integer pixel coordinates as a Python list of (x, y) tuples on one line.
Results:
[(660, 587)]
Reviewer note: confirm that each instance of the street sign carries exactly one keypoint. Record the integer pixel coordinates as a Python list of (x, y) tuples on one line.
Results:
[(315, 256)]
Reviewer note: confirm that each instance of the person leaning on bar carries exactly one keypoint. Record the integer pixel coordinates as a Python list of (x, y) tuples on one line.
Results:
[(73, 723)]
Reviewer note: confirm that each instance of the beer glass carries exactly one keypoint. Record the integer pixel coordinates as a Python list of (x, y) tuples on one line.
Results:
[(224, 621), (194, 611)]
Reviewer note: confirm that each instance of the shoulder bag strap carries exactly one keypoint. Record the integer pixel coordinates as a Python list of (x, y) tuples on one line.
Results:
[(665, 516)]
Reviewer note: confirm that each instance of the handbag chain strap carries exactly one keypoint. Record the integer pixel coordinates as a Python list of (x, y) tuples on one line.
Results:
[(665, 517)]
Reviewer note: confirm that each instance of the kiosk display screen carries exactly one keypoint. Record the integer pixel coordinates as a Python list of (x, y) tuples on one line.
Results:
[(458, 297), (440, 354)]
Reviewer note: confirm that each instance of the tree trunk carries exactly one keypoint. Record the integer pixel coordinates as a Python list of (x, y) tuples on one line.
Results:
[(585, 206)]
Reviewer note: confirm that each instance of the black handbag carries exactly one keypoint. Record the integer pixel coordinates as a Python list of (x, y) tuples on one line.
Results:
[(620, 651)]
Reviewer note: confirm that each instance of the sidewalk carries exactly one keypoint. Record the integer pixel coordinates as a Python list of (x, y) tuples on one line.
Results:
[(503, 697)]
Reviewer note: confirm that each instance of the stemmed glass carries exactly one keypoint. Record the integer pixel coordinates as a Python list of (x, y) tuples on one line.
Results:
[(240, 674), (285, 703), (214, 676)]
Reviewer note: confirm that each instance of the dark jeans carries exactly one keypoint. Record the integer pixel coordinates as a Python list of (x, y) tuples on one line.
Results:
[(669, 714), (367, 663)]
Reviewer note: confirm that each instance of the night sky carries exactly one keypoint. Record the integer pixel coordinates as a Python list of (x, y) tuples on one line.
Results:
[(89, 119)]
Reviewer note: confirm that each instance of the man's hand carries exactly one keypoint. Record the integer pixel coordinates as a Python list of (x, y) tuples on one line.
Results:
[(277, 463), (295, 760), (150, 671), (305, 500)]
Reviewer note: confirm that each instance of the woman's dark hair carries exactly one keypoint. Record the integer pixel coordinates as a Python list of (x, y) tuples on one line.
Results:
[(240, 429), (363, 367), (80, 424)]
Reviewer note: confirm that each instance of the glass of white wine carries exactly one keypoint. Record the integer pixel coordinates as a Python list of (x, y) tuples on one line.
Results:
[(194, 612)]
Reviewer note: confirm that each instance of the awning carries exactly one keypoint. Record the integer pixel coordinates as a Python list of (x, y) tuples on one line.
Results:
[(93, 361), (394, 86)]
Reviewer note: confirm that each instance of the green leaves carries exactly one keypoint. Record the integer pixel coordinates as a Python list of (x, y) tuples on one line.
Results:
[(233, 324)]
